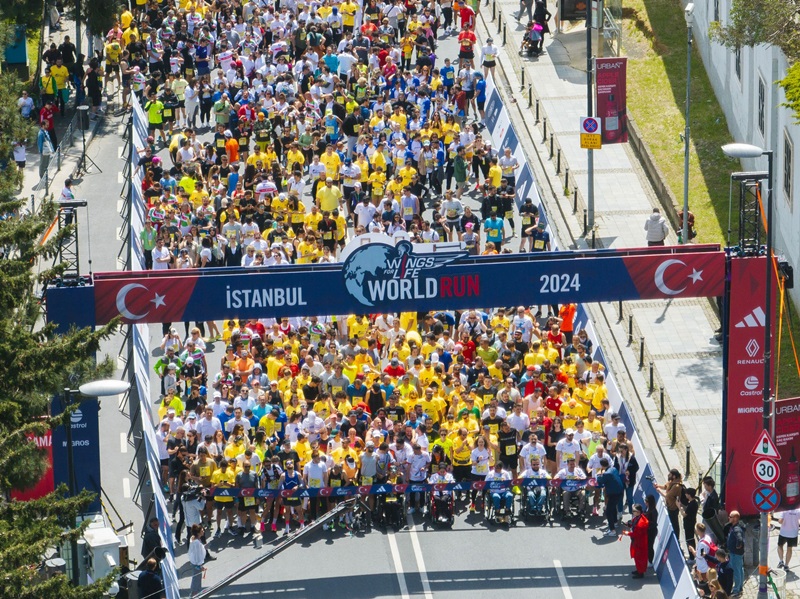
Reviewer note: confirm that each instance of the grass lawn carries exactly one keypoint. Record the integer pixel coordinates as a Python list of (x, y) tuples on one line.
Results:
[(655, 42)]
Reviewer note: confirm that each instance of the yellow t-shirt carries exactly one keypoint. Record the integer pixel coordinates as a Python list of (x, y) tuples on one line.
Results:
[(226, 479)]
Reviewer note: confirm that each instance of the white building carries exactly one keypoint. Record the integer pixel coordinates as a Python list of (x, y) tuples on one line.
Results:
[(745, 83)]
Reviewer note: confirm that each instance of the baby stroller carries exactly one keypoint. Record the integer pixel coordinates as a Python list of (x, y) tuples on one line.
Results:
[(442, 509), (531, 40)]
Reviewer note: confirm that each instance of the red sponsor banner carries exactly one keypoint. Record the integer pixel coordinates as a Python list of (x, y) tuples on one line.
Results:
[(787, 440), (611, 98), (745, 380), (46, 484)]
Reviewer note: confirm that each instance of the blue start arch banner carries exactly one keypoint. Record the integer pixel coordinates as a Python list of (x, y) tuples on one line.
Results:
[(378, 277)]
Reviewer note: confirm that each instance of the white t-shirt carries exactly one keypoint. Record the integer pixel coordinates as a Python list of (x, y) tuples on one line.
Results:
[(480, 461), (160, 254), (790, 523)]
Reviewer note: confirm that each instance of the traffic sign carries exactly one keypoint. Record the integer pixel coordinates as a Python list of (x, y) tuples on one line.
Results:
[(766, 499), (765, 447), (591, 138), (766, 471)]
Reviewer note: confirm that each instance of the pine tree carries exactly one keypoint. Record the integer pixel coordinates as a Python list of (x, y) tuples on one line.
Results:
[(35, 363)]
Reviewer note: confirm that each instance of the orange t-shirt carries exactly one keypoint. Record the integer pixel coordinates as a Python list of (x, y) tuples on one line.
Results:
[(567, 315), (232, 149)]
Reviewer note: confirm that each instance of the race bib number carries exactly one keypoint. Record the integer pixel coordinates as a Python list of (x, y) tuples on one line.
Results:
[(220, 143), (242, 141), (510, 214), (336, 483), (205, 471), (408, 211), (366, 480), (168, 112), (482, 468), (327, 235), (511, 449), (526, 220), (539, 244), (249, 501), (314, 482)]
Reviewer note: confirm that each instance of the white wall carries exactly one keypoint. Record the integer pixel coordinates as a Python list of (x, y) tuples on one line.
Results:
[(738, 97)]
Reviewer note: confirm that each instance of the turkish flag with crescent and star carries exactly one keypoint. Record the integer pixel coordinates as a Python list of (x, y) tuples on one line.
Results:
[(145, 298), (680, 275)]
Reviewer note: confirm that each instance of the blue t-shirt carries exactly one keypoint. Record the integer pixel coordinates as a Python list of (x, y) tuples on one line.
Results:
[(494, 229), (480, 91)]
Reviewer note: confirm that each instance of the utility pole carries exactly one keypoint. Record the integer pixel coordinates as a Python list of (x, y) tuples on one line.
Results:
[(589, 112)]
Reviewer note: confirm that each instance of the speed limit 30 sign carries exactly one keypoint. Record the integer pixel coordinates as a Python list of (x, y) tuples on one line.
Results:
[(766, 471)]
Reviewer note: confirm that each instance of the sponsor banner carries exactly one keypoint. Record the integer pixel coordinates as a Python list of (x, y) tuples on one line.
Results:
[(744, 384), (787, 440), (379, 278), (46, 484), (573, 10), (496, 485), (85, 447), (611, 98)]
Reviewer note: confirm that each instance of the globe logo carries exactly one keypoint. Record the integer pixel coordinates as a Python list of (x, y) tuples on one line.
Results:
[(76, 416), (374, 272)]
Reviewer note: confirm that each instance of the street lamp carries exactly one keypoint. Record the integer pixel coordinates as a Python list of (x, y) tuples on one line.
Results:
[(102, 388), (738, 150), (688, 13)]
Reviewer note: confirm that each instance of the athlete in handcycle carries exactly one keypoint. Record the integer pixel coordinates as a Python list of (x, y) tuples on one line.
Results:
[(571, 494), (442, 505), (390, 506), (536, 500), (500, 508)]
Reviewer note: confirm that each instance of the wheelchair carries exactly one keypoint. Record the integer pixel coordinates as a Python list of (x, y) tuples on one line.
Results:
[(502, 515), (545, 511), (390, 511), (441, 509), (578, 504)]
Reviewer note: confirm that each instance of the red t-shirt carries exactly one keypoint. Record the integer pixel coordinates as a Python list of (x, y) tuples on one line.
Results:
[(466, 39)]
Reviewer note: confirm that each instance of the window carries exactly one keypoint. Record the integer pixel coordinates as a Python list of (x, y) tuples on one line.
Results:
[(788, 158), (762, 92), (737, 63), (716, 10)]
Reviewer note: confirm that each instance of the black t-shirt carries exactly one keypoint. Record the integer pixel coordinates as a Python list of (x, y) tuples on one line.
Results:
[(395, 413), (289, 455), (67, 50), (360, 426), (508, 445)]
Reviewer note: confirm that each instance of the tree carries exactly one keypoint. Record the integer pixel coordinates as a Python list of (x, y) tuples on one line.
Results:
[(101, 14), (36, 362), (772, 22)]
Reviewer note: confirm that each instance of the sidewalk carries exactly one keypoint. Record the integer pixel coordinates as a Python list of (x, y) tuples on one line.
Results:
[(71, 153), (688, 367)]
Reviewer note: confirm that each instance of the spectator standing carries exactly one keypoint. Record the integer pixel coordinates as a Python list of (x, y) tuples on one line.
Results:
[(656, 229)]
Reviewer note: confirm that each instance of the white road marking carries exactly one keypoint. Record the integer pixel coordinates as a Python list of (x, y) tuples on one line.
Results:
[(119, 151), (126, 488), (120, 206), (423, 573), (123, 443), (120, 178), (562, 579), (398, 567)]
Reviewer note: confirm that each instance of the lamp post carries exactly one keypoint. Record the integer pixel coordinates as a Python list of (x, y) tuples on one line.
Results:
[(102, 388), (738, 150), (688, 13)]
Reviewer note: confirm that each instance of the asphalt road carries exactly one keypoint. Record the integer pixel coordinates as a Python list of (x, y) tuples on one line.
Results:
[(471, 560)]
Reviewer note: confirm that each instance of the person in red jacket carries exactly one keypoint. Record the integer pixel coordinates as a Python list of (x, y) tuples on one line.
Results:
[(47, 117), (637, 531)]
